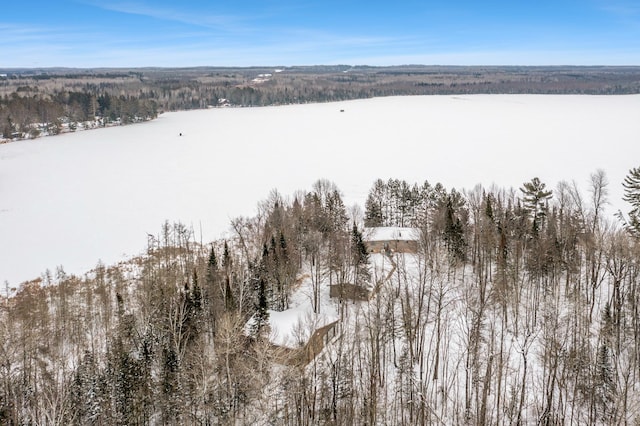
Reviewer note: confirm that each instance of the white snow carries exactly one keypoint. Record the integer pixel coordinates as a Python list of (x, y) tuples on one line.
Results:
[(391, 233), (293, 327), (73, 199)]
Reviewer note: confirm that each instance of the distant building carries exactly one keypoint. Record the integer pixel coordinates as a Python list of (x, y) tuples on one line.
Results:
[(3, 75), (393, 239)]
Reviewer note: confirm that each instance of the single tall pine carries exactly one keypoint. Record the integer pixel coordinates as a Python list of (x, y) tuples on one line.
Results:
[(535, 200), (631, 186)]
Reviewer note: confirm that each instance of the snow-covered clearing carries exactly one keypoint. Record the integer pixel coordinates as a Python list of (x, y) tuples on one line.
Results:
[(73, 199), (292, 327), (391, 233)]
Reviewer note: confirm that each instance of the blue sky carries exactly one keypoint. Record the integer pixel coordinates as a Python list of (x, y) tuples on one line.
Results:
[(93, 33)]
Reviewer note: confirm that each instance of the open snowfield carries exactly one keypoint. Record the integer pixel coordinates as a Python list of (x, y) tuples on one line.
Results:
[(71, 200)]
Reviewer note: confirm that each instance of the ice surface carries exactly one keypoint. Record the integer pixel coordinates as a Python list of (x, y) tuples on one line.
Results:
[(73, 199)]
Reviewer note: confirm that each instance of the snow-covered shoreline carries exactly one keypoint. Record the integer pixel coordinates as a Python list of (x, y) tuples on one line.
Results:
[(69, 127), (85, 196)]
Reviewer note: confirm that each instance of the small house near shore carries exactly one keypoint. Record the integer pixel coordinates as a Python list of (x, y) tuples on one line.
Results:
[(391, 239)]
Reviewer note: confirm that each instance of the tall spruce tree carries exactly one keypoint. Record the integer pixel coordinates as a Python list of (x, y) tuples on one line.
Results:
[(192, 325), (453, 234), (227, 263), (360, 256), (260, 323), (212, 266)]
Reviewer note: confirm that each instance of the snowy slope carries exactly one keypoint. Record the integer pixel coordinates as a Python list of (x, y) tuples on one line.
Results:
[(73, 199), (293, 327)]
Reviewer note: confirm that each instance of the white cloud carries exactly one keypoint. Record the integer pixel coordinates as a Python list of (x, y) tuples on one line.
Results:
[(201, 19)]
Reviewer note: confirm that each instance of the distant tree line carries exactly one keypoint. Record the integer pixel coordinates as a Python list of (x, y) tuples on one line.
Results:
[(29, 115), (53, 97)]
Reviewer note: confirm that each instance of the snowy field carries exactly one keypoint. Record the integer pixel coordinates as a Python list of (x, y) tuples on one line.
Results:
[(71, 200)]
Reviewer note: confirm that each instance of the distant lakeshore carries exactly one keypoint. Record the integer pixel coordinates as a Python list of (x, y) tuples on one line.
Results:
[(47, 101)]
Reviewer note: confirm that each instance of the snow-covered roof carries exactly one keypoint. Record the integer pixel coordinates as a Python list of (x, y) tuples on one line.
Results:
[(391, 233)]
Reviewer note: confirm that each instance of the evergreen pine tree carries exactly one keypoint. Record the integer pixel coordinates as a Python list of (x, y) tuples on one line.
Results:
[(229, 300), (535, 201), (283, 247), (85, 392), (193, 303), (213, 292), (261, 317), (488, 207), (171, 387), (605, 382), (607, 326), (212, 264), (226, 257), (631, 186), (196, 293), (373, 211), (453, 230), (360, 256)]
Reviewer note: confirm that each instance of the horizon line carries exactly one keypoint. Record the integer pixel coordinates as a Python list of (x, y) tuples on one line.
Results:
[(106, 67)]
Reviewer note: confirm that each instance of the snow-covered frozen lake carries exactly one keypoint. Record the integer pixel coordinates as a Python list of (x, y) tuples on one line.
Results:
[(71, 200)]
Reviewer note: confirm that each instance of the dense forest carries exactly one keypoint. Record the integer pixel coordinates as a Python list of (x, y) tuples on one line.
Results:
[(518, 307), (37, 102)]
